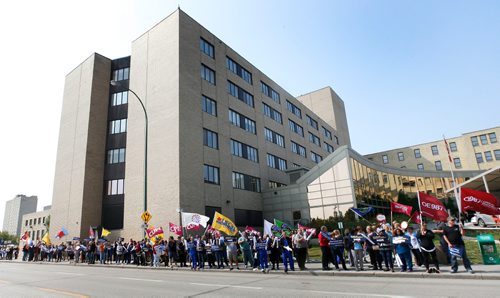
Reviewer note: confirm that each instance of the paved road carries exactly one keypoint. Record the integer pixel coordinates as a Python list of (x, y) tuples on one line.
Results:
[(46, 280)]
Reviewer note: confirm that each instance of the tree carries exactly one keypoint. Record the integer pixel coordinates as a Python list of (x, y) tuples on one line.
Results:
[(5, 236)]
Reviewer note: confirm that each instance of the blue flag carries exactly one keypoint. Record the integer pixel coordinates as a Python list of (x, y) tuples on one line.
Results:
[(362, 211)]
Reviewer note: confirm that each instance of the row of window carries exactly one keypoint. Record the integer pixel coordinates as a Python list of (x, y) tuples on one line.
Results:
[(119, 98), (239, 70), (294, 109), (115, 187), (240, 93), (276, 162), (244, 151), (116, 156), (240, 181), (484, 139), (121, 74), (118, 126), (33, 221), (313, 123), (270, 92), (487, 156)]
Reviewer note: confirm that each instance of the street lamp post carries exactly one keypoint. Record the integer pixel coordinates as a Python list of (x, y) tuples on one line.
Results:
[(117, 83)]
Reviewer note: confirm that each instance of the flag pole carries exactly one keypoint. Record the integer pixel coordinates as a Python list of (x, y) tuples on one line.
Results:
[(419, 209), (454, 183)]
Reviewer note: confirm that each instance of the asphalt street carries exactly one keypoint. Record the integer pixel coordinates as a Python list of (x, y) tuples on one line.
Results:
[(46, 280)]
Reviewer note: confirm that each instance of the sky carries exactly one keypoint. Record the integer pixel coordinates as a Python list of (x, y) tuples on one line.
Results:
[(408, 71)]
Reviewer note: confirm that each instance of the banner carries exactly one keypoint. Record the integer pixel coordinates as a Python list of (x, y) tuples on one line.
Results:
[(483, 202), (284, 227), (177, 230), (63, 232), (310, 231), (194, 219), (362, 211), (224, 224), (400, 208), (432, 207), (152, 232), (105, 232), (416, 218), (270, 229), (46, 239)]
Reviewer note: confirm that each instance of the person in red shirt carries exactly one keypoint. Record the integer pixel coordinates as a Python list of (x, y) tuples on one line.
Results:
[(324, 243)]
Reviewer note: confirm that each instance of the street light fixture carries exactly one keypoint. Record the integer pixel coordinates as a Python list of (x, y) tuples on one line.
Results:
[(118, 83)]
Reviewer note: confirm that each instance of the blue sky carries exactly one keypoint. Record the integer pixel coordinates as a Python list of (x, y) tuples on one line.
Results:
[(408, 71)]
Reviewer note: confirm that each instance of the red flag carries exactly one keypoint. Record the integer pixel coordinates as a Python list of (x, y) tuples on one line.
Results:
[(25, 237), (91, 233), (192, 226), (448, 150), (432, 207), (151, 232), (249, 230), (474, 200), (400, 208), (308, 230), (416, 218), (177, 230)]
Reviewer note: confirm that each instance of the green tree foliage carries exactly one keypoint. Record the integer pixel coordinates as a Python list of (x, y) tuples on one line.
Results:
[(5, 236)]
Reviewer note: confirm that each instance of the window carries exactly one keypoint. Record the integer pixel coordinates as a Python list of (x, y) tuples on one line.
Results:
[(497, 154), (417, 153), (116, 155), (439, 166), (314, 139), (209, 105), (453, 147), (43, 219), (115, 187), (246, 182), (420, 167), (385, 178), (31, 222), (242, 122), (276, 162), (488, 156), (484, 140), (316, 157), (240, 94), (117, 126), (211, 174), (337, 140), (296, 128), (26, 223), (401, 156), (121, 74), (296, 148), (39, 220), (207, 74), (119, 98), (274, 184), (275, 96), (457, 162), (210, 139), (244, 217), (385, 159), (274, 137), (328, 148), (479, 157), (313, 123), (493, 137), (272, 113), (294, 109), (239, 70), (244, 151), (327, 133), (434, 149), (474, 141), (207, 48)]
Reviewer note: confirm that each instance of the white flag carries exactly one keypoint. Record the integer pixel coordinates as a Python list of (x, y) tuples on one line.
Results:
[(194, 218), (268, 228)]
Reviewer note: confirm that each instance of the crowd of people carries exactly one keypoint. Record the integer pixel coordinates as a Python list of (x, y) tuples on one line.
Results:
[(385, 245), (390, 244)]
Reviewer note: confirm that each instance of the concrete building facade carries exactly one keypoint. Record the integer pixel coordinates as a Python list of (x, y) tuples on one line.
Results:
[(220, 133), (14, 211), (36, 224), (477, 150)]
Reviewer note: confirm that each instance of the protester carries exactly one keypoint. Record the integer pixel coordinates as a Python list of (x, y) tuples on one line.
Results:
[(357, 240), (427, 247), (384, 240), (337, 249), (402, 246), (452, 234), (301, 245), (324, 243), (246, 250), (287, 252), (262, 251), (415, 247), (275, 252), (372, 249), (232, 253)]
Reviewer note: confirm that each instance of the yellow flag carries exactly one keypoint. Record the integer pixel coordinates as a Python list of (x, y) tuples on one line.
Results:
[(224, 224), (46, 239), (105, 232)]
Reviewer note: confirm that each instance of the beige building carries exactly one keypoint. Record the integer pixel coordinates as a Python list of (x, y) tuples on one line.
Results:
[(220, 133), (36, 224), (477, 150), (14, 211)]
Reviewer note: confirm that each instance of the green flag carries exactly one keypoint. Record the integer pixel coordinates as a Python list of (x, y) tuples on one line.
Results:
[(282, 226)]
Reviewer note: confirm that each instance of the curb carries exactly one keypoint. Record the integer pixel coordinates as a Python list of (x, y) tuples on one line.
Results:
[(375, 274)]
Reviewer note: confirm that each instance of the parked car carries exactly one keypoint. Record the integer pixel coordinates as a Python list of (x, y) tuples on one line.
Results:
[(484, 220)]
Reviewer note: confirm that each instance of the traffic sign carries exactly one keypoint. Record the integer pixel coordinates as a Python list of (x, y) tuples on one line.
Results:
[(146, 216), (341, 225), (380, 217)]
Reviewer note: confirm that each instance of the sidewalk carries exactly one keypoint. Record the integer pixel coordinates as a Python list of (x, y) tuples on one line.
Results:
[(481, 272)]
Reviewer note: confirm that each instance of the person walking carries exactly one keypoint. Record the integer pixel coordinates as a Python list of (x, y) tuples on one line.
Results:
[(452, 234)]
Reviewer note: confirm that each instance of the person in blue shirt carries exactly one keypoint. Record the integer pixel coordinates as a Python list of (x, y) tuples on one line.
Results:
[(384, 241), (261, 247), (286, 254), (403, 249), (337, 248), (357, 240), (191, 246)]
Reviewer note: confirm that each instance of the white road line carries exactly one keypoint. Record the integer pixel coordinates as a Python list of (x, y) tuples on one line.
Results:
[(70, 273), (141, 279), (226, 286), (359, 294)]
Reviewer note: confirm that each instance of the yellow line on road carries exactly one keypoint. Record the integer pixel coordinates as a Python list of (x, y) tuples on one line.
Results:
[(63, 292)]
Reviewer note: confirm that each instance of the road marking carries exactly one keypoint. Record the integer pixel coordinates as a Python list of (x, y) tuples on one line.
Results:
[(359, 294), (226, 286), (63, 292), (141, 279), (70, 273), (5, 281)]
